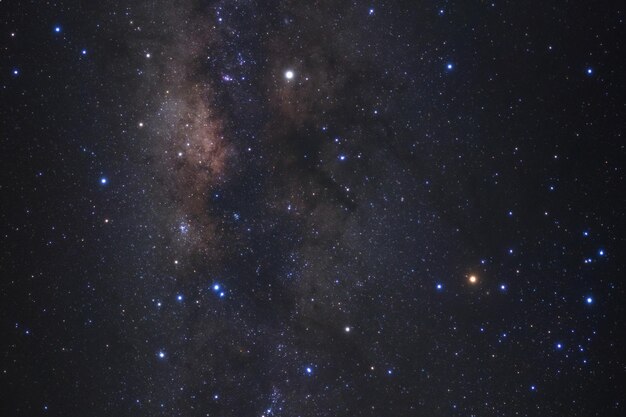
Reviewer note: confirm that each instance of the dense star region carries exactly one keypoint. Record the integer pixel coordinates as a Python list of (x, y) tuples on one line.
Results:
[(312, 208)]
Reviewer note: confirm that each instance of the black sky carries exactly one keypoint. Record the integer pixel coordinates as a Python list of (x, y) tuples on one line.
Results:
[(323, 208)]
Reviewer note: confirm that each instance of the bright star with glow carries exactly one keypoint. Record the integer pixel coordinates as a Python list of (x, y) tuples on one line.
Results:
[(439, 286), (309, 370), (473, 279), (57, 29), (589, 71), (84, 52), (449, 66), (559, 346), (179, 297), (289, 74), (103, 180), (589, 300), (161, 354)]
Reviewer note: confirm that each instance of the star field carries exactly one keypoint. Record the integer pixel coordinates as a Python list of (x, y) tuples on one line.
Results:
[(323, 208)]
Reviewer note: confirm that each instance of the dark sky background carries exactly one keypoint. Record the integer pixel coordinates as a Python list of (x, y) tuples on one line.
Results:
[(312, 208)]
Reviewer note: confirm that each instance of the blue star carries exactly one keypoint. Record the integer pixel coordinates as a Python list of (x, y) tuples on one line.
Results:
[(449, 66), (589, 300), (585, 233), (503, 287), (559, 346), (309, 370), (439, 287), (57, 29), (216, 287), (15, 72), (589, 71), (161, 354), (103, 180), (370, 12), (342, 157), (179, 297), (601, 252), (533, 388), (83, 52)]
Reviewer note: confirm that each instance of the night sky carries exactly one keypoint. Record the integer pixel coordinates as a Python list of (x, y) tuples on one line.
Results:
[(312, 208)]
